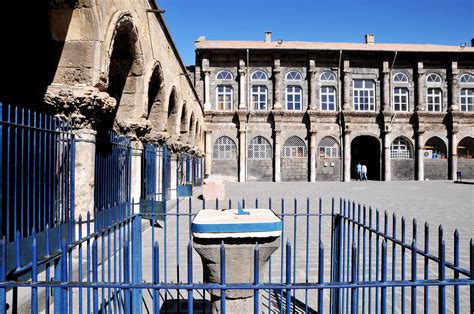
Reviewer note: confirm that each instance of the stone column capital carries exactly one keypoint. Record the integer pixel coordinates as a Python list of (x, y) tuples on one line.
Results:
[(206, 72), (313, 132), (277, 131), (242, 72)]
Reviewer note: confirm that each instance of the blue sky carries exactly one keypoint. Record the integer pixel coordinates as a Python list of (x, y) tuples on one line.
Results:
[(448, 22)]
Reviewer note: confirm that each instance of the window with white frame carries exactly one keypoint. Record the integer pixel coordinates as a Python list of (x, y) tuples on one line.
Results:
[(400, 78), (259, 75), (224, 75), (466, 99), (328, 76), (467, 78), (400, 99), (225, 95), (294, 95), (259, 97), (328, 98), (294, 147), (294, 76), (328, 148), (434, 78), (364, 95), (400, 149), (434, 99), (259, 148), (224, 148)]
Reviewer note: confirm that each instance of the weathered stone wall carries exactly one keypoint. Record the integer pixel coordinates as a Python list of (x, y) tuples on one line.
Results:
[(225, 169), (436, 169), (294, 169), (259, 170), (466, 166), (328, 169), (403, 169)]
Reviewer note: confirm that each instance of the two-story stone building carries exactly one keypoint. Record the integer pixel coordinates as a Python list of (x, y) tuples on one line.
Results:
[(309, 111)]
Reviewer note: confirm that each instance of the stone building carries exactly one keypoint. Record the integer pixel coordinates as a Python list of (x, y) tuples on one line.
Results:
[(104, 65), (309, 111)]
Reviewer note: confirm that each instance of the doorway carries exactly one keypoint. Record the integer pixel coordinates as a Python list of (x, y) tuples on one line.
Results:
[(366, 149)]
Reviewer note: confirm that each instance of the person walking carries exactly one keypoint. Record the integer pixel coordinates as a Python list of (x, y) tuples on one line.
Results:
[(359, 171), (364, 172)]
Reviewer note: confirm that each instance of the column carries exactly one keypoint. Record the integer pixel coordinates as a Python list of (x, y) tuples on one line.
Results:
[(453, 154), (347, 156), (346, 102), (277, 155), (312, 156), (386, 87), (208, 156), (387, 140), (242, 154), (137, 150), (420, 170), (174, 176), (207, 95), (242, 90), (454, 86), (276, 84), (84, 164), (313, 89), (420, 104)]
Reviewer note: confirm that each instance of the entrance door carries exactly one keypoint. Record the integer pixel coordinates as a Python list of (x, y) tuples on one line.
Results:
[(366, 150)]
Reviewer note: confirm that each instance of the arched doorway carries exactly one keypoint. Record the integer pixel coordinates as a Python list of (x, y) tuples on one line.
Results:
[(366, 150)]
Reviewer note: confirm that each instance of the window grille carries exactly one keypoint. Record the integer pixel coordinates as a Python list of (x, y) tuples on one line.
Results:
[(466, 99), (259, 148), (224, 75), (434, 78), (328, 76), (294, 76), (259, 75), (400, 149), (294, 147), (400, 78), (467, 78), (224, 148), (328, 148), (364, 95)]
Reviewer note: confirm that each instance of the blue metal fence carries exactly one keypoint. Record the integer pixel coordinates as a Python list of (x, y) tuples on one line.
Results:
[(183, 175)]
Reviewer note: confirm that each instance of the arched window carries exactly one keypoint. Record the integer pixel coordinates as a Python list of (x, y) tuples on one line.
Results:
[(259, 97), (259, 75), (225, 95), (328, 148), (294, 76), (435, 148), (224, 75), (224, 148), (259, 148), (401, 149), (466, 99), (466, 148), (294, 147), (400, 99), (400, 78), (328, 76), (467, 78), (434, 98), (434, 78), (294, 98)]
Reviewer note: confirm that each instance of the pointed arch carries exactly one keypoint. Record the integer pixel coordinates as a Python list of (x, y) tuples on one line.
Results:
[(156, 111), (172, 116)]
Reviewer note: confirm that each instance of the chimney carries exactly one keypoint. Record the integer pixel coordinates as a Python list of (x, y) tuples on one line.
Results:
[(268, 37), (472, 42), (370, 39)]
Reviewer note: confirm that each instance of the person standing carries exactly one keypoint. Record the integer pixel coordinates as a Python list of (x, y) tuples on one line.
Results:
[(364, 172), (359, 171)]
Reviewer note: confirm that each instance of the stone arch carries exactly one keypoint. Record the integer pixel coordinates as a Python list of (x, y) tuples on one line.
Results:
[(192, 128), (328, 147), (259, 159), (465, 153), (435, 159), (366, 150), (173, 109), (437, 147), (156, 111), (184, 120), (125, 67), (402, 158)]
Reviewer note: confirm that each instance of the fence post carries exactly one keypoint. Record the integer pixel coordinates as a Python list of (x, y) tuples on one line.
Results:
[(3, 268), (471, 266), (136, 263), (336, 261)]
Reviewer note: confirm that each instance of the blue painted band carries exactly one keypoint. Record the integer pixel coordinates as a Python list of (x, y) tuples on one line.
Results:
[(236, 227)]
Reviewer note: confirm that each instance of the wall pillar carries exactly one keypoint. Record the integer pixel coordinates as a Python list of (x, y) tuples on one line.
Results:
[(346, 102), (174, 176), (312, 156), (347, 156), (386, 87), (387, 169), (137, 150), (453, 155), (84, 164), (242, 155), (207, 94), (276, 83), (208, 156), (313, 89), (242, 89), (277, 155), (420, 88), (420, 170), (454, 88)]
